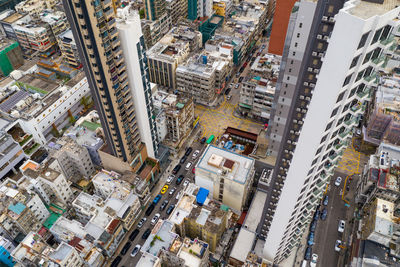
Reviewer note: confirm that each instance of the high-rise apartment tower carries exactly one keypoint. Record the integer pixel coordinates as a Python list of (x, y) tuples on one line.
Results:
[(154, 9), (95, 32), (132, 42), (332, 51)]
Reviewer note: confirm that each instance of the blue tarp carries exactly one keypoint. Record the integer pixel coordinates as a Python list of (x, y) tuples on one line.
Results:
[(202, 196)]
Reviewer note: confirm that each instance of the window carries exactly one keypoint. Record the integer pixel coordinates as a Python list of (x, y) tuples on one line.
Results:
[(300, 25), (354, 61), (328, 126), (347, 80), (323, 139), (377, 35), (295, 44), (363, 40), (334, 112), (340, 97), (367, 57), (298, 35), (294, 53)]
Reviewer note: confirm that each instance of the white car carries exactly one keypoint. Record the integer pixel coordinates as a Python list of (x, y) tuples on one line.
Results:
[(178, 195), (135, 250), (140, 224), (188, 165), (338, 181), (185, 183), (172, 191), (314, 259), (155, 219), (170, 178), (341, 226), (195, 154), (337, 245)]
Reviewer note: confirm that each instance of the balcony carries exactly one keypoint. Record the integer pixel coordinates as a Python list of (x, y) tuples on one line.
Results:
[(345, 134), (351, 121), (335, 156), (340, 145), (355, 108), (363, 93), (388, 40), (371, 78), (379, 60)]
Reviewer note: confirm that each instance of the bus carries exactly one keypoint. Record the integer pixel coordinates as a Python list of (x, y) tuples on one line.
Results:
[(210, 139)]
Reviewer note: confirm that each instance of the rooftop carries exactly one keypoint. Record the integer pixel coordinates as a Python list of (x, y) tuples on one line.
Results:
[(254, 215), (183, 209), (147, 260), (110, 184), (243, 244), (214, 158), (61, 252), (366, 9), (67, 37), (192, 252), (384, 217), (161, 237)]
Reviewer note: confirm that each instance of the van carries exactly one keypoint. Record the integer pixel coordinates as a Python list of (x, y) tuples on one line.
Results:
[(304, 264)]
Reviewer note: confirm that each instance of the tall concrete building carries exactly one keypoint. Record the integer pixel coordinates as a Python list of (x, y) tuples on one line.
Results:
[(199, 9), (154, 9), (283, 9), (332, 51), (132, 42), (95, 32)]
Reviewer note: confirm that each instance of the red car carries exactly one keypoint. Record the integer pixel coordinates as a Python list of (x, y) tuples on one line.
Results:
[(193, 170)]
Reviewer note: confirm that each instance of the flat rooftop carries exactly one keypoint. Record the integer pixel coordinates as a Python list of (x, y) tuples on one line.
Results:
[(243, 245), (365, 10), (183, 209), (216, 160), (163, 229), (254, 215)]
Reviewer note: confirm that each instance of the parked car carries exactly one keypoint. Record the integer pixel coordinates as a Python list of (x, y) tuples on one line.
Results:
[(164, 189), (188, 165), (149, 209), (237, 85), (127, 246), (183, 159), (325, 202), (185, 183), (143, 220), (229, 97), (156, 199), (313, 226), (194, 170), (203, 140), (240, 79), (155, 219), (310, 240), (170, 209), (180, 179), (314, 259), (316, 215), (164, 205), (307, 255), (170, 178), (324, 214), (135, 250), (133, 235), (337, 245), (227, 91), (195, 154), (146, 233), (176, 169), (116, 261), (341, 226), (338, 181), (178, 195), (188, 151), (172, 191)]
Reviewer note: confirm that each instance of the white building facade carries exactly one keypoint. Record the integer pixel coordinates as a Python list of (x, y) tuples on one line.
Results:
[(331, 53), (133, 48)]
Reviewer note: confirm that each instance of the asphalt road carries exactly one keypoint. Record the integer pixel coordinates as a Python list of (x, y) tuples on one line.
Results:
[(327, 232), (127, 260)]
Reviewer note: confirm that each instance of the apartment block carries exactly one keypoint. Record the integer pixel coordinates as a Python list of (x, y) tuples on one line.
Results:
[(226, 175), (73, 159), (203, 77), (222, 7), (68, 48), (177, 10), (94, 28), (199, 9), (154, 9), (379, 177), (163, 59), (35, 7), (10, 55), (154, 30), (128, 25), (6, 247), (197, 216), (41, 107), (51, 185), (117, 195), (315, 113), (11, 152), (179, 117), (256, 98)]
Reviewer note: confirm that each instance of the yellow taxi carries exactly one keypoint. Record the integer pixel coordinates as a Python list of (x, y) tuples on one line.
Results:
[(164, 189)]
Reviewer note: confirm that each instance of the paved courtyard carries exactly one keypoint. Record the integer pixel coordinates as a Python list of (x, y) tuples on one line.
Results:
[(214, 121)]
